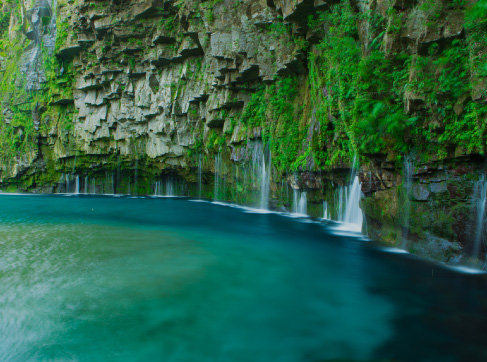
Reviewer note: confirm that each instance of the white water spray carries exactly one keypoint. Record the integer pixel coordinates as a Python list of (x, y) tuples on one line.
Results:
[(326, 215), (348, 210), (76, 191), (408, 185), (300, 205), (218, 175), (265, 178), (353, 212), (169, 186), (67, 183), (259, 160), (157, 187), (200, 175), (480, 232)]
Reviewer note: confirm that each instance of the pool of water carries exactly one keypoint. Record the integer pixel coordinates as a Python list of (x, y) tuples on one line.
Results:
[(87, 278)]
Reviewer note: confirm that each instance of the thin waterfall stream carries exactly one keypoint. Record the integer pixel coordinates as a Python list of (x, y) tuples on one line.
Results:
[(170, 186), (136, 172), (200, 175), (260, 167), (481, 227), (408, 172), (347, 202), (218, 176), (326, 215), (76, 190), (300, 204), (157, 187), (265, 178)]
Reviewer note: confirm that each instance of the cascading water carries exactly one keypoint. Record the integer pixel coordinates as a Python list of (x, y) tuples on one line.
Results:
[(108, 185), (76, 191), (353, 213), (480, 232), (169, 186), (408, 185), (136, 174), (86, 184), (67, 183), (261, 172), (265, 179), (218, 176), (61, 182), (339, 202), (325, 211), (200, 175), (295, 201), (300, 205), (348, 203), (157, 188)]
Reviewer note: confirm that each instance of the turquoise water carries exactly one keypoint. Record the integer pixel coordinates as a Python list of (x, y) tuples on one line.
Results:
[(141, 279)]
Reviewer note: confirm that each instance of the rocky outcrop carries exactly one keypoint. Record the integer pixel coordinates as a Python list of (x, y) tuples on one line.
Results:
[(151, 75)]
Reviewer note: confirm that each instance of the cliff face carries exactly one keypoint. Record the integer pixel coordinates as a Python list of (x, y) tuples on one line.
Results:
[(127, 96)]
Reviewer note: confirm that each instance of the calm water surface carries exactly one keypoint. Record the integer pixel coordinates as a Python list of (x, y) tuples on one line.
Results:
[(142, 279)]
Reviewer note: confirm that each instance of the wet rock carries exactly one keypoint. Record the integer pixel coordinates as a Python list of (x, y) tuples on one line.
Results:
[(438, 187), (436, 248), (420, 192)]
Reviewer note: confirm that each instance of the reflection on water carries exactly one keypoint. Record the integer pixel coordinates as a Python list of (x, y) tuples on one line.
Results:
[(119, 279)]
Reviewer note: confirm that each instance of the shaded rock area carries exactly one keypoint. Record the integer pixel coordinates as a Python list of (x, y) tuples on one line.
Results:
[(436, 218)]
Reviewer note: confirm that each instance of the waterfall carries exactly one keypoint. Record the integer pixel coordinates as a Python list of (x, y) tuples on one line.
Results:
[(86, 184), (353, 213), (67, 183), (325, 210), (348, 203), (119, 174), (218, 175), (157, 187), (136, 175), (340, 210), (481, 196), (265, 179), (200, 175), (61, 181), (77, 185), (169, 186), (303, 204), (408, 186), (93, 186), (260, 163), (108, 184), (300, 204)]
